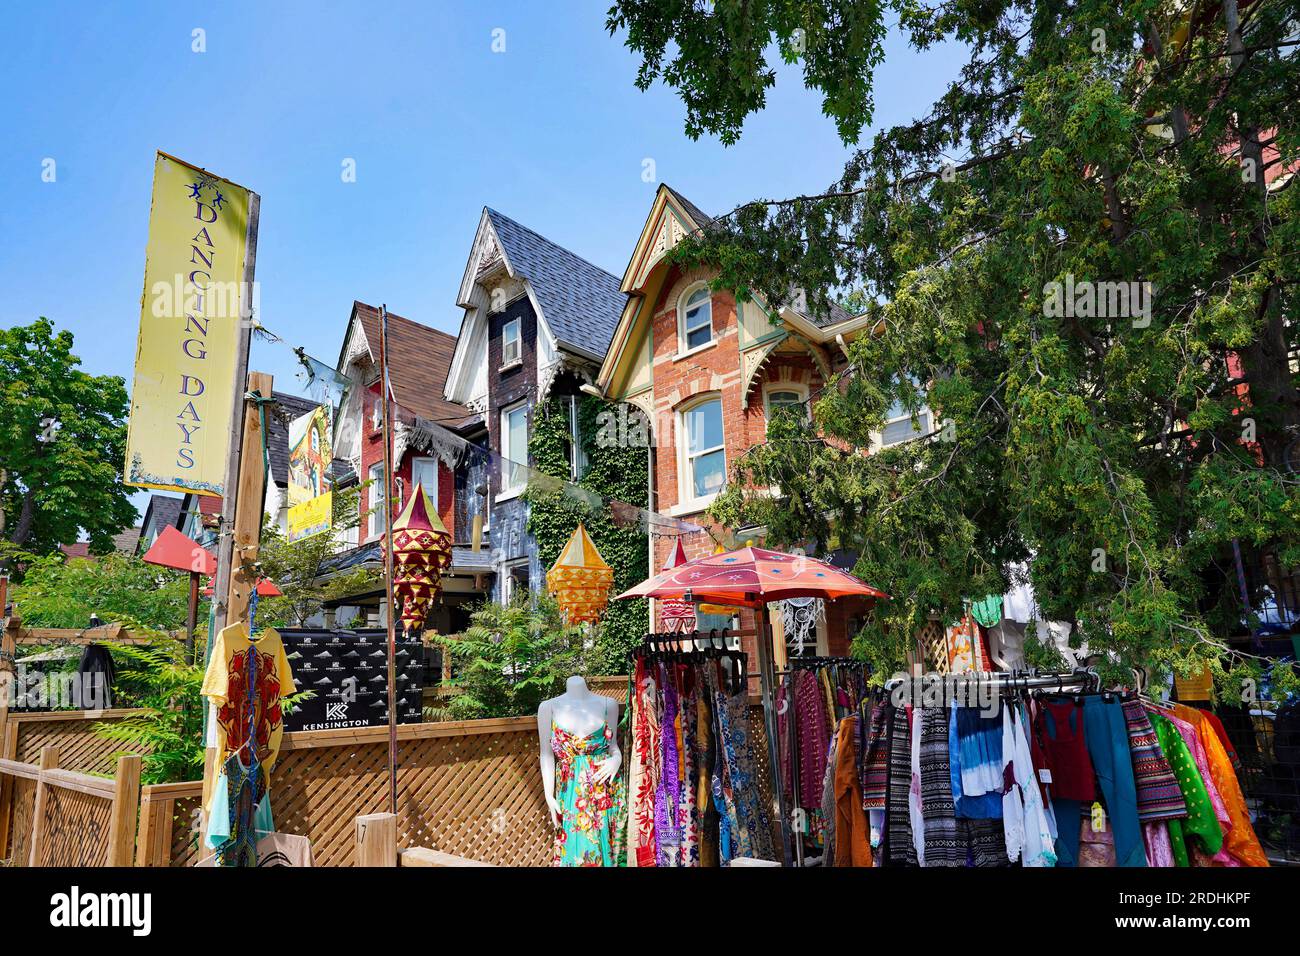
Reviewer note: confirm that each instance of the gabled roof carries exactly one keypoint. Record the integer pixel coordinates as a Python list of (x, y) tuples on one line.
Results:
[(701, 219), (581, 302), (418, 360), (162, 511)]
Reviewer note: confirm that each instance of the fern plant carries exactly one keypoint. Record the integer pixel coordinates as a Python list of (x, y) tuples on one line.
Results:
[(169, 733)]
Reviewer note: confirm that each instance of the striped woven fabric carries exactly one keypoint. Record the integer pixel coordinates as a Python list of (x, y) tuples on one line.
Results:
[(874, 778), (1158, 794)]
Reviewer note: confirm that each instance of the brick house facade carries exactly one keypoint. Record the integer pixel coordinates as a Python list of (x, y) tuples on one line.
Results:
[(706, 370)]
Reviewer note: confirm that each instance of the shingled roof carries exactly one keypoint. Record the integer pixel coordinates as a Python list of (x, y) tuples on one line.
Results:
[(418, 360), (581, 302)]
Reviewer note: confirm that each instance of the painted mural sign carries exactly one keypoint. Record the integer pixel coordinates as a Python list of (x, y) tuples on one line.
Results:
[(311, 499)]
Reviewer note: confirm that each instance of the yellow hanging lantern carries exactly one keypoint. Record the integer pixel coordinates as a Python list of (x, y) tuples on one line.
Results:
[(580, 579), (421, 552)]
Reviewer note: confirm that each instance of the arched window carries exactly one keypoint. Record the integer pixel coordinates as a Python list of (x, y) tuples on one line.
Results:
[(787, 396), (695, 318), (702, 455)]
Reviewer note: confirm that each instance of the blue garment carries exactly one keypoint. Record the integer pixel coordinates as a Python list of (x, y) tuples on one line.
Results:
[(986, 806), (1108, 748)]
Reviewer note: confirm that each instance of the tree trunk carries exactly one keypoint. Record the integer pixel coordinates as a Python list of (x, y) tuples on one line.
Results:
[(26, 520)]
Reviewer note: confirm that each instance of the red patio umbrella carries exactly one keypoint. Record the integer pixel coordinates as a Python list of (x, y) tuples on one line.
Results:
[(753, 577)]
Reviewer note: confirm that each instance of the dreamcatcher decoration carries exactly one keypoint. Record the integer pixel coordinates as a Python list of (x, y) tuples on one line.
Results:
[(421, 553), (580, 579), (799, 617)]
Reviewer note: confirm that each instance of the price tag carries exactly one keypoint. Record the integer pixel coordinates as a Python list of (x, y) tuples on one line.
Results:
[(1045, 775), (1098, 818)]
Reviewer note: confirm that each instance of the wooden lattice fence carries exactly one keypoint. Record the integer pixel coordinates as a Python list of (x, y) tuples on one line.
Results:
[(467, 788), (73, 733)]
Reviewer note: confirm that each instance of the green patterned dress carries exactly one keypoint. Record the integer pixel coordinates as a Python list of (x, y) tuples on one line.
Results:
[(590, 812)]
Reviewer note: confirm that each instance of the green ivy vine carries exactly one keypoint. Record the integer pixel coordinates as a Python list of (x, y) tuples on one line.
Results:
[(611, 472)]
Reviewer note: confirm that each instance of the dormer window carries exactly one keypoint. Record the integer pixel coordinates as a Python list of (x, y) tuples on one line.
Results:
[(695, 318), (511, 344)]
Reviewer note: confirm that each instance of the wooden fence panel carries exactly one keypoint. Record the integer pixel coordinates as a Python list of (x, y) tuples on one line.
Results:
[(73, 734), (20, 821), (58, 817)]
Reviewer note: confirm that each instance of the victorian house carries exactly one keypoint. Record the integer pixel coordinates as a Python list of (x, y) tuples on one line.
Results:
[(423, 453), (707, 371), (537, 324)]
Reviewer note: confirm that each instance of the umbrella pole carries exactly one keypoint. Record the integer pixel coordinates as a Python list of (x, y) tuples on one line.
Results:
[(767, 676)]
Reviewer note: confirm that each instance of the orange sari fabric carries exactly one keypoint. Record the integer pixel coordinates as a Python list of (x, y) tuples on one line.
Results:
[(1240, 842)]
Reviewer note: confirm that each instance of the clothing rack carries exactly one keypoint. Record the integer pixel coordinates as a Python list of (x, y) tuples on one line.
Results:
[(809, 663), (1010, 680)]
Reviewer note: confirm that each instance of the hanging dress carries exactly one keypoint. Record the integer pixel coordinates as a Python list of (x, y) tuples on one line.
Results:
[(589, 810)]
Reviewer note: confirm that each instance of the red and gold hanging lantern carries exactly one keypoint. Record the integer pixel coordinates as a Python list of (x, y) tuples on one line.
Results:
[(676, 615), (580, 579), (421, 553)]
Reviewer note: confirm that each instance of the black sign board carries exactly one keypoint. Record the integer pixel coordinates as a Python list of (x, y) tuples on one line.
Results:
[(348, 670)]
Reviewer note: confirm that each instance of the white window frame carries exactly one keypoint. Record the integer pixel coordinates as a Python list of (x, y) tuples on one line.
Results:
[(577, 454), (687, 502), (431, 491), (508, 488), (508, 579), (683, 348), (378, 501), (512, 334), (924, 411), (775, 388)]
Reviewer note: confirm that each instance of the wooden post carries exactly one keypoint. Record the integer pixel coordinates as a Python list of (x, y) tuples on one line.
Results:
[(249, 503), (8, 671), (385, 396), (49, 761), (225, 543), (126, 802), (192, 618), (246, 532), (377, 839)]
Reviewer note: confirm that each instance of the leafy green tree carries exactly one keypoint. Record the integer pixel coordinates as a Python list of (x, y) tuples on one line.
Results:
[(1123, 450), (297, 567), (62, 444), (511, 658), (119, 588)]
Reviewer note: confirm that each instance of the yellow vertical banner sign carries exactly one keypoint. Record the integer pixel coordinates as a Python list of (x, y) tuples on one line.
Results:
[(189, 330)]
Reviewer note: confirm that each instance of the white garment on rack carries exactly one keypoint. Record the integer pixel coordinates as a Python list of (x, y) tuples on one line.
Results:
[(914, 791), (1033, 841)]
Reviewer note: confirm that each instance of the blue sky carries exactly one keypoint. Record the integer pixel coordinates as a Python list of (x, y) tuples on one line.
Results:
[(552, 132)]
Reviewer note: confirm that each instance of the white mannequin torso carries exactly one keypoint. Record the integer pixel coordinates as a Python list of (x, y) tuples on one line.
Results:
[(581, 713)]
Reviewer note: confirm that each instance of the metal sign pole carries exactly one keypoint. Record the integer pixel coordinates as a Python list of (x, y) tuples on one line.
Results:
[(388, 558)]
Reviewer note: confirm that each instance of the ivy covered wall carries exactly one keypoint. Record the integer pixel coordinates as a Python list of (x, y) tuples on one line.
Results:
[(610, 472)]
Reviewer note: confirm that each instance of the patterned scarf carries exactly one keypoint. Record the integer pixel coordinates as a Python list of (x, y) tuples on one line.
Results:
[(942, 846), (898, 846), (1158, 794)]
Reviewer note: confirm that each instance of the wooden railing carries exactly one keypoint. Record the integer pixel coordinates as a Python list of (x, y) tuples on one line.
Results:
[(55, 817)]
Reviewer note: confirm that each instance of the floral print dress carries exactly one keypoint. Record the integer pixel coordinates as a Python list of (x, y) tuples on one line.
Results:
[(589, 811)]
